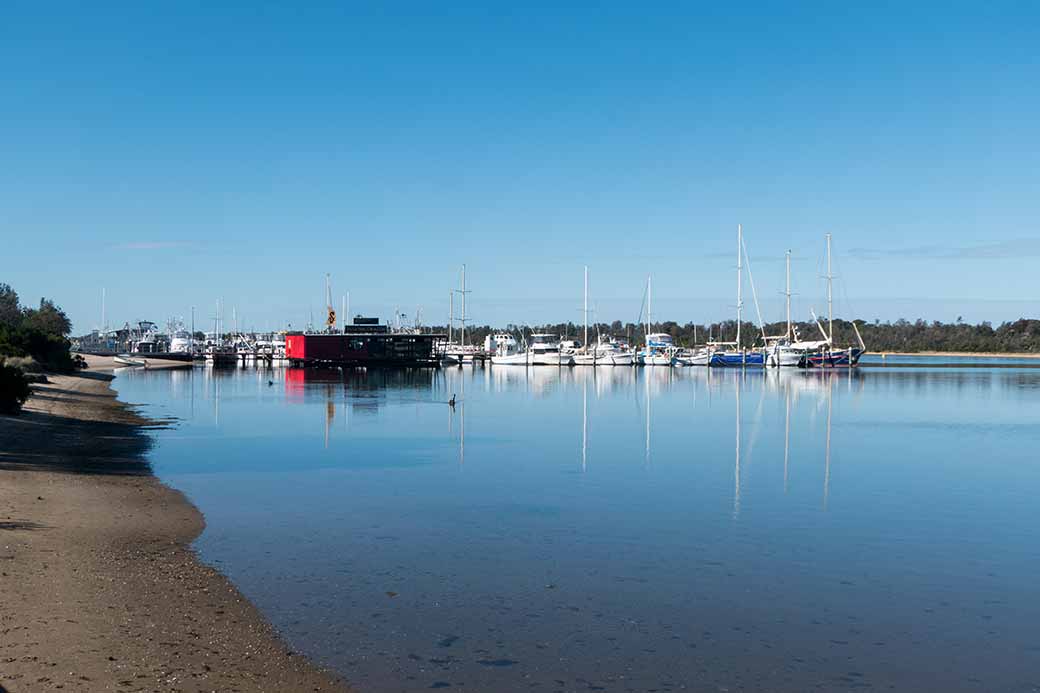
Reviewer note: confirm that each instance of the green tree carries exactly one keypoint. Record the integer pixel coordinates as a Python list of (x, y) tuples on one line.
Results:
[(10, 310), (49, 319)]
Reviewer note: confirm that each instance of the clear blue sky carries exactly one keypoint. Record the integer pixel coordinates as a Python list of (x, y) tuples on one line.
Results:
[(177, 153)]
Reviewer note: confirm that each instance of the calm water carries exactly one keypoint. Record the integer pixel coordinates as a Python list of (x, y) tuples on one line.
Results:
[(624, 529)]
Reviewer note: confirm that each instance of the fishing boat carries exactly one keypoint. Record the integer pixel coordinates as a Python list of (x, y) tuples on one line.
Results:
[(738, 356)]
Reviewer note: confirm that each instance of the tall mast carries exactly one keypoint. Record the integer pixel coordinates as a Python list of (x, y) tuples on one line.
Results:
[(648, 288), (462, 320), (740, 267), (451, 312), (343, 313), (104, 318), (586, 342), (830, 279), (788, 294)]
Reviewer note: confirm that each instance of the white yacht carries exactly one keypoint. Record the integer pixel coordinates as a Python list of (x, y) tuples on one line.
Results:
[(181, 342), (501, 344), (542, 350), (606, 353), (658, 351)]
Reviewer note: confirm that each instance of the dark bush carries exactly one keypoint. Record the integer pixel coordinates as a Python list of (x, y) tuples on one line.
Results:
[(14, 390), (51, 351)]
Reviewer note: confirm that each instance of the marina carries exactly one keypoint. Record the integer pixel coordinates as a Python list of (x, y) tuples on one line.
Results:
[(540, 348)]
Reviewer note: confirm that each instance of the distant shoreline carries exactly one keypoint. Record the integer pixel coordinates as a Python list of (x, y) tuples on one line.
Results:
[(976, 354)]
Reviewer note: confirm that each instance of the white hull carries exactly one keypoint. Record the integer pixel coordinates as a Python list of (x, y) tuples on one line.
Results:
[(529, 359), (656, 360), (617, 360), (127, 361), (785, 358), (551, 360), (510, 360), (700, 358)]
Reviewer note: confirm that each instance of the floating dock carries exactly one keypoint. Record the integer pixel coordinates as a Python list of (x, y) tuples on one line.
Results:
[(365, 343)]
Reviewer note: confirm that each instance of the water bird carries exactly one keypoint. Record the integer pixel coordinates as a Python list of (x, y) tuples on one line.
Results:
[(270, 383), (451, 402)]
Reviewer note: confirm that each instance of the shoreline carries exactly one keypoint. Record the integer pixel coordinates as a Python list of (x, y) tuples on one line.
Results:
[(961, 354), (102, 590)]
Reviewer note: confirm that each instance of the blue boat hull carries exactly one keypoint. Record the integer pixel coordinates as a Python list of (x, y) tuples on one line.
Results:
[(834, 359), (733, 359)]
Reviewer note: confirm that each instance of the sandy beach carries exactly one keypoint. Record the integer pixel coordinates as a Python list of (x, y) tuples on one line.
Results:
[(101, 590)]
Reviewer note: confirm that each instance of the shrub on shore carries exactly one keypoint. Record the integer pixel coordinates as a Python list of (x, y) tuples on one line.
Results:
[(14, 389), (38, 334)]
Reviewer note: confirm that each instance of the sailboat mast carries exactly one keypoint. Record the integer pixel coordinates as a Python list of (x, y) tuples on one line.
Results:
[(586, 342), (463, 305), (787, 293), (104, 318), (648, 289), (740, 267), (451, 312), (830, 280)]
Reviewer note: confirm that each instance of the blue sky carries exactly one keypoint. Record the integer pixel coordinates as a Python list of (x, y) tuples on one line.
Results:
[(183, 152)]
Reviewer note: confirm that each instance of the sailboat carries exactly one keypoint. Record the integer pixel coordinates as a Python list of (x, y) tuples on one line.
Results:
[(829, 356), (660, 347), (605, 353), (788, 350), (584, 357), (461, 352), (738, 357)]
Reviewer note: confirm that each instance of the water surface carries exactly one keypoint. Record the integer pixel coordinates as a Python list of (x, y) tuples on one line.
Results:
[(624, 529)]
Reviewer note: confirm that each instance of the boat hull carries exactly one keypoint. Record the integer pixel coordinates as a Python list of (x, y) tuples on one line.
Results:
[(735, 359), (847, 358)]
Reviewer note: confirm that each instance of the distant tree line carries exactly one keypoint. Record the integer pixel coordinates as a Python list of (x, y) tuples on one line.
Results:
[(1019, 336)]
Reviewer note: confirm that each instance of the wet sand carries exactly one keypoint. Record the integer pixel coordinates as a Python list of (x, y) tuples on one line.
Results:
[(100, 588)]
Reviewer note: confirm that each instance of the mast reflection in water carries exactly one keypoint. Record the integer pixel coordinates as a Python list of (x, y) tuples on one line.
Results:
[(623, 529)]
